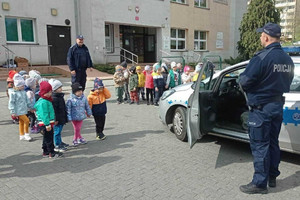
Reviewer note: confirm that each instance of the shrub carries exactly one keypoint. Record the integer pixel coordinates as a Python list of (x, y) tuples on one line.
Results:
[(110, 69)]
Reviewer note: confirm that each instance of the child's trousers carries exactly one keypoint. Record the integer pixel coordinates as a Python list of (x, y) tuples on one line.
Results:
[(100, 123), (134, 96), (23, 124), (158, 94), (141, 91), (47, 146), (77, 128), (31, 116), (149, 92), (57, 134), (119, 93)]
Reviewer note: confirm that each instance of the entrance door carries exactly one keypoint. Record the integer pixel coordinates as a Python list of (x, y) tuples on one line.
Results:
[(140, 41), (149, 54), (59, 37)]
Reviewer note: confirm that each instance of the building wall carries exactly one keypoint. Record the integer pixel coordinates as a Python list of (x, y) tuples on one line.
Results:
[(88, 17), (152, 13), (219, 18), (40, 11)]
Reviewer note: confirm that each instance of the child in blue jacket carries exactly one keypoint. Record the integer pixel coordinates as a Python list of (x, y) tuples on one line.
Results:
[(78, 108)]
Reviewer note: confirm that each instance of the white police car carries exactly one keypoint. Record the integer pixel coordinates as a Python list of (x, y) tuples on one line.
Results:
[(217, 106)]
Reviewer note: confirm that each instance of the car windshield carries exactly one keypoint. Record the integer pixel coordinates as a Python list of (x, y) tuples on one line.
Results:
[(295, 86)]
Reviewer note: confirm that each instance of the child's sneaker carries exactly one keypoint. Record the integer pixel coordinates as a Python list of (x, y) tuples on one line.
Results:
[(75, 143), (64, 145), (60, 149), (33, 130), (45, 155), (55, 155), (22, 137), (27, 137), (102, 136), (82, 141)]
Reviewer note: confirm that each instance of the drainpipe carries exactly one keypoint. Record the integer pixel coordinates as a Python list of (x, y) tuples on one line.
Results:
[(77, 16)]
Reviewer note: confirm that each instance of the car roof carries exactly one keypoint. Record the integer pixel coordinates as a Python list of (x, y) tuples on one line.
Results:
[(296, 59)]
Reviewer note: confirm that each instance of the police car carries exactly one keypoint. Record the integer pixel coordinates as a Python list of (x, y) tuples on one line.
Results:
[(217, 106)]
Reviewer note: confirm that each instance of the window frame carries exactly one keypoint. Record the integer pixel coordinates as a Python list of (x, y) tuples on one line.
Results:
[(178, 1), (199, 6), (19, 30), (110, 37), (178, 39), (199, 40)]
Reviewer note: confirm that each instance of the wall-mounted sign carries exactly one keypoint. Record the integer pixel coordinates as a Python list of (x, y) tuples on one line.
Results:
[(137, 9), (219, 40), (137, 18)]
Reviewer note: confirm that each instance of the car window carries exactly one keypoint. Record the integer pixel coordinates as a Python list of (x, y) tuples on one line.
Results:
[(295, 86)]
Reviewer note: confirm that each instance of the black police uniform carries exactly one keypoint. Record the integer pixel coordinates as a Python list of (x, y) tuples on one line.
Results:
[(79, 59), (268, 75)]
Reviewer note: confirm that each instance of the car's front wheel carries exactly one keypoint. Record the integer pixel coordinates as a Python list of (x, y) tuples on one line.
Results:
[(179, 123)]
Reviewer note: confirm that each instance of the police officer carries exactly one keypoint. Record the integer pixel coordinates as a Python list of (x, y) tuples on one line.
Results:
[(79, 60), (267, 76)]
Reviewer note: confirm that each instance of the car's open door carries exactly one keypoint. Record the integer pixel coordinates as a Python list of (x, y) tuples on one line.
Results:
[(200, 112)]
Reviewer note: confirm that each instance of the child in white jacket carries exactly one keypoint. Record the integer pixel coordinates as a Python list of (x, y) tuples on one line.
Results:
[(18, 105)]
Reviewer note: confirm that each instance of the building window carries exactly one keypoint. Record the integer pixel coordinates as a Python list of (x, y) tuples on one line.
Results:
[(201, 3), (19, 30), (109, 39), (200, 41), (177, 39), (179, 1)]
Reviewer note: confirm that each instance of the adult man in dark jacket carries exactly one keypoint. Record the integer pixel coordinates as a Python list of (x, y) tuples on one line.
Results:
[(79, 60), (268, 75)]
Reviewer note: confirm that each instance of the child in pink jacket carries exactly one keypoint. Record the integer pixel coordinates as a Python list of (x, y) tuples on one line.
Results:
[(149, 85)]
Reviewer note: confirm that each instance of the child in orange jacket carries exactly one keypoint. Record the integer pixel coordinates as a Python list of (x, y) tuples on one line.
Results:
[(97, 101)]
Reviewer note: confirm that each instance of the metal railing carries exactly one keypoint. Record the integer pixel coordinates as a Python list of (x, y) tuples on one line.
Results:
[(123, 53), (30, 47), (194, 54), (9, 60), (168, 54)]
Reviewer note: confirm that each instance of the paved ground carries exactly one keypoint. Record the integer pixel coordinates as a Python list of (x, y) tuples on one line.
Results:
[(140, 159)]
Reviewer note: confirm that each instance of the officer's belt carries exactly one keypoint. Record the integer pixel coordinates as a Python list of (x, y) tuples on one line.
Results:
[(273, 99)]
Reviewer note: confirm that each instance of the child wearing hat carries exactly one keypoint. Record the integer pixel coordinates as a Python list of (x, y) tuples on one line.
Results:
[(119, 80), (97, 101), (159, 83), (186, 76), (133, 85), (126, 82), (173, 77), (60, 111), (30, 85), (18, 105), (149, 85), (141, 85), (46, 119), (77, 109)]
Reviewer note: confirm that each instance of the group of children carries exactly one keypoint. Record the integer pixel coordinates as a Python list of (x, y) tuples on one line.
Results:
[(40, 102), (155, 79)]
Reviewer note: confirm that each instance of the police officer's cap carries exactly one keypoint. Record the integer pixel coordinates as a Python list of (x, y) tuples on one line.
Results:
[(271, 29), (80, 37)]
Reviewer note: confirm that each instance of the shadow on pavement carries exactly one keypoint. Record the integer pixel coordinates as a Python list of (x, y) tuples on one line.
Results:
[(24, 165), (287, 183)]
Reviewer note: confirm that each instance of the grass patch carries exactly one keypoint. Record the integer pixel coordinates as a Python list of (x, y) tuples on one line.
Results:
[(110, 69)]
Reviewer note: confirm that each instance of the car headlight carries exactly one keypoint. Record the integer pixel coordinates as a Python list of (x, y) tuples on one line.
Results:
[(167, 93)]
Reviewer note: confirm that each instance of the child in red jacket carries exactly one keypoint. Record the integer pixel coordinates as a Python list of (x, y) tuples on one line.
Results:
[(149, 85)]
